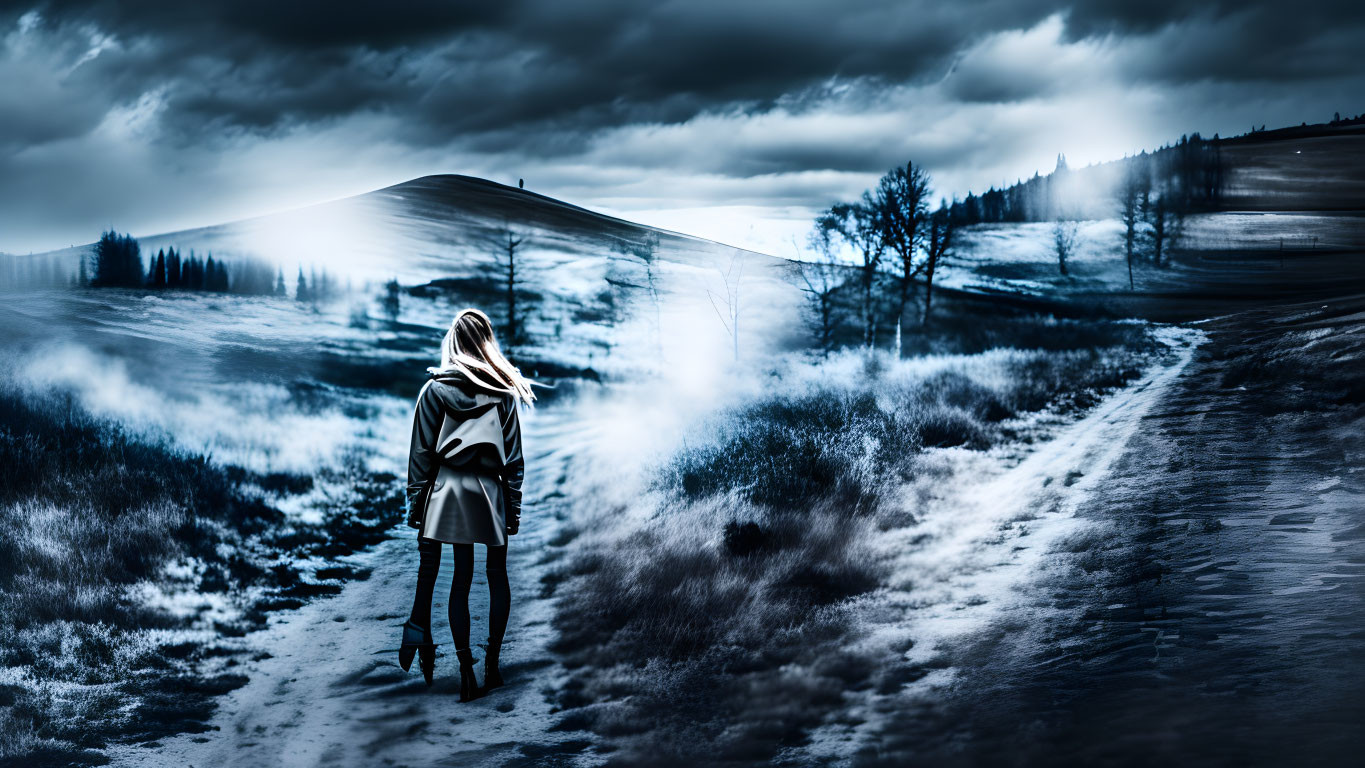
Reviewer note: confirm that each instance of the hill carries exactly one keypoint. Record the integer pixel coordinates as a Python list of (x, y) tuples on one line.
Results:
[(591, 290)]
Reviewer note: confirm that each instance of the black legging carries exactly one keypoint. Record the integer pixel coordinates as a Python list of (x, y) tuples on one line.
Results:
[(499, 591)]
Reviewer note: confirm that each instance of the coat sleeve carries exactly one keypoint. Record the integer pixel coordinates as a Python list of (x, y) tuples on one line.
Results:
[(515, 469), (426, 426)]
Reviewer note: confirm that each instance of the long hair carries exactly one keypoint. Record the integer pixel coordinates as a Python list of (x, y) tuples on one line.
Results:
[(470, 348)]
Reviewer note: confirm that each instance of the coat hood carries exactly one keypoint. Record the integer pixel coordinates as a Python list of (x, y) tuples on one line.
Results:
[(457, 392)]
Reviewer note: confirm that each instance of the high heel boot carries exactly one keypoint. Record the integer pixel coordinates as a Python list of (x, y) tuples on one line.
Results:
[(418, 640), (469, 685), (492, 676)]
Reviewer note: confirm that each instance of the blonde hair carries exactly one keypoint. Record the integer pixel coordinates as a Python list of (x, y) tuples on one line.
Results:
[(470, 348)]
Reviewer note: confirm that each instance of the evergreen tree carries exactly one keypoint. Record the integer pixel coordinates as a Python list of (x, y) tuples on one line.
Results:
[(279, 283), (118, 261), (83, 278), (173, 277), (222, 283), (301, 292), (194, 273), (159, 270)]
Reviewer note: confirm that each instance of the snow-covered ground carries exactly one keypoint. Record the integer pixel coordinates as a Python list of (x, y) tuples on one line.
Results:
[(329, 690)]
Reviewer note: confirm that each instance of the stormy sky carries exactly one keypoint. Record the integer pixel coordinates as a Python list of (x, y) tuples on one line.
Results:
[(731, 120)]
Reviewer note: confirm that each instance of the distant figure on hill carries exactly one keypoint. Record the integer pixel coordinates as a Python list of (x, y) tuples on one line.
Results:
[(465, 469), (521, 183)]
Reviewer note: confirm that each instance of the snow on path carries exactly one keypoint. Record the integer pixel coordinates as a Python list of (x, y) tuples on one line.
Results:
[(332, 693), (981, 537), (987, 539)]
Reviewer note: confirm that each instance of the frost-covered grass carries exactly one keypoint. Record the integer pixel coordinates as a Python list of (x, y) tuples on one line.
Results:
[(122, 559), (845, 443), (716, 620)]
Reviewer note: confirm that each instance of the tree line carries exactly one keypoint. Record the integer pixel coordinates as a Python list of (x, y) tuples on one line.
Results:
[(116, 262), (1190, 174), (1151, 198)]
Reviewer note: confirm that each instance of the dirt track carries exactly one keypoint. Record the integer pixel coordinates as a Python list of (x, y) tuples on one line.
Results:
[(1210, 609)]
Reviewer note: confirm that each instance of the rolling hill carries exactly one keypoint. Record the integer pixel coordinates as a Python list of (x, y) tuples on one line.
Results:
[(592, 291)]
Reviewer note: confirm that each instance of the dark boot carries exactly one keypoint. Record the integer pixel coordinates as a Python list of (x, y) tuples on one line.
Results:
[(418, 639), (469, 685), (492, 677)]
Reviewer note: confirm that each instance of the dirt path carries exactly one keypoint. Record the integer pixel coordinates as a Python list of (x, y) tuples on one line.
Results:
[(988, 525), (1202, 603), (331, 692)]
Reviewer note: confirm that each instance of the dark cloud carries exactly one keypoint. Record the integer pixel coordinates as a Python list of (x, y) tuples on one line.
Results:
[(476, 67), (1129, 17), (481, 66), (1231, 40), (545, 81)]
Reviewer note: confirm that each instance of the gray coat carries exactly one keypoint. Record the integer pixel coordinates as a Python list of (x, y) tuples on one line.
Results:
[(465, 464)]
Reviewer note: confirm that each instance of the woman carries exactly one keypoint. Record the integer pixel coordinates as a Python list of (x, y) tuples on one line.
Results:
[(464, 488)]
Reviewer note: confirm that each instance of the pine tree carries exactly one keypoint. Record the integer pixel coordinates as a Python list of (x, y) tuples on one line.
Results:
[(159, 270), (224, 284), (193, 271), (301, 292), (118, 261), (279, 282)]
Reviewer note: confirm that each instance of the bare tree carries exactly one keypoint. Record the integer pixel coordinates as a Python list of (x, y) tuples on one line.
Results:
[(938, 242), (823, 278), (1131, 190), (727, 309), (508, 243), (903, 196), (1064, 241), (860, 226)]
